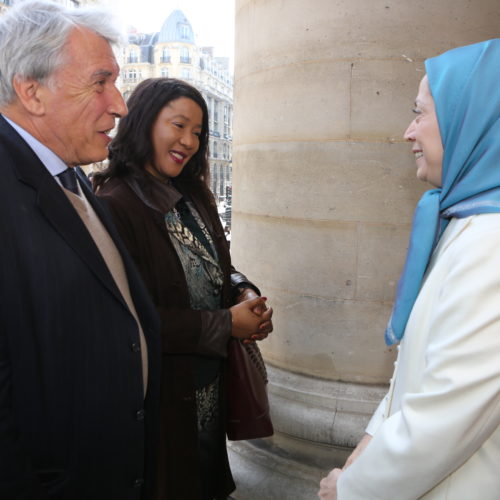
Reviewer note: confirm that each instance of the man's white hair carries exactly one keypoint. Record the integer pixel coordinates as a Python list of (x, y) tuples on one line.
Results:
[(33, 35)]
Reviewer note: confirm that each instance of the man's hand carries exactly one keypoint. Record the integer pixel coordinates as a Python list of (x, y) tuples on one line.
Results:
[(328, 485)]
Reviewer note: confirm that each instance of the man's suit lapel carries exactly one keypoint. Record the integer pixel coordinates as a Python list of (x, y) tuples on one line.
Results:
[(139, 293), (56, 207), (106, 220), (61, 214)]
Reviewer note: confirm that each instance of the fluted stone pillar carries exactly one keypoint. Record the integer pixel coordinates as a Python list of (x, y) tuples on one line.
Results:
[(323, 193)]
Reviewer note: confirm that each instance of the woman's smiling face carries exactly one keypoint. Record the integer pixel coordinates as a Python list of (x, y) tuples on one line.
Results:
[(175, 137), (424, 133)]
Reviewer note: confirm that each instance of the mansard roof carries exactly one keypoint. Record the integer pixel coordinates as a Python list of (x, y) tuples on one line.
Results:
[(176, 28)]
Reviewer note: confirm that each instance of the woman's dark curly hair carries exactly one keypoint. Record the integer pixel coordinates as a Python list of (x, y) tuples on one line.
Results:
[(132, 148)]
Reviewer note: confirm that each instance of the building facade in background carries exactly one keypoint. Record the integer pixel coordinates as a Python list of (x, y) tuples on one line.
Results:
[(172, 52), (4, 5)]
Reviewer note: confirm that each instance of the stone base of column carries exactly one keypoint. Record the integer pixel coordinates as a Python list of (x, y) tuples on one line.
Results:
[(280, 468), (317, 422)]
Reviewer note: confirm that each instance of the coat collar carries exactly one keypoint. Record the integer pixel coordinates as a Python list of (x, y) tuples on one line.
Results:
[(159, 196), (454, 229)]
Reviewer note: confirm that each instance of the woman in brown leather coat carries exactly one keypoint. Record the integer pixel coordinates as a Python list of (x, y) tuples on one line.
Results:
[(156, 188)]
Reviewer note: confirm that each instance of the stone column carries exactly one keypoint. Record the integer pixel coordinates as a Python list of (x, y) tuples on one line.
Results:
[(323, 194)]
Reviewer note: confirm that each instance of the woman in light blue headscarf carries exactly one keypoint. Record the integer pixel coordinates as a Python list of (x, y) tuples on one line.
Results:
[(436, 434)]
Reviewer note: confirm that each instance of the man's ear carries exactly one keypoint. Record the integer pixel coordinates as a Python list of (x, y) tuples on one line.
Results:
[(30, 94)]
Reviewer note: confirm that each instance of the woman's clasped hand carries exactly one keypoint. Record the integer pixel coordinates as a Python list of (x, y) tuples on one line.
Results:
[(251, 318)]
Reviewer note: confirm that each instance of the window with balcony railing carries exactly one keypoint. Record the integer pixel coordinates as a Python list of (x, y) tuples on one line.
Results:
[(165, 55), (131, 76), (133, 57), (185, 56)]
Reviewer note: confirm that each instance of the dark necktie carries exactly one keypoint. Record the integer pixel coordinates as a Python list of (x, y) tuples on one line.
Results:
[(68, 180)]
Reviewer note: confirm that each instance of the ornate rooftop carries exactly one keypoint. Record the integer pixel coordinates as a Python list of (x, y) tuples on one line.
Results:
[(176, 28)]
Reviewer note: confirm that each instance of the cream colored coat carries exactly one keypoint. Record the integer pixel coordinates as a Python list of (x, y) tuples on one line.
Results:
[(436, 435)]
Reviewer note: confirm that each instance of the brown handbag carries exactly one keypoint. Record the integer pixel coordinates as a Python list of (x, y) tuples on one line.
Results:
[(248, 415)]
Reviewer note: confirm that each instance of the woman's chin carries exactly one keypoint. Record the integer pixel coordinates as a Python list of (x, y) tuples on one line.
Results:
[(422, 175)]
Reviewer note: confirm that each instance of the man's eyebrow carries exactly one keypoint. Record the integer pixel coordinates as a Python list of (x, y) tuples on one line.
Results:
[(102, 73)]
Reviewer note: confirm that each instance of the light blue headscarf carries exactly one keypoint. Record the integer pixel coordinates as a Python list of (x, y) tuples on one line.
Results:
[(465, 85)]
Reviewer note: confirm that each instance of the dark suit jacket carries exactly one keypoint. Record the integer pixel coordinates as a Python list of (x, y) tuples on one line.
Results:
[(74, 424)]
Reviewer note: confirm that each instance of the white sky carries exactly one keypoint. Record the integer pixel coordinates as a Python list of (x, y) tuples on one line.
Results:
[(212, 20)]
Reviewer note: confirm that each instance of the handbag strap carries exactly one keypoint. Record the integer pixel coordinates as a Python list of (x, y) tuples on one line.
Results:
[(255, 356)]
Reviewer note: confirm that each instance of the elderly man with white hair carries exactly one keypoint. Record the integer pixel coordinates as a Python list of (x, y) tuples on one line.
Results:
[(79, 344)]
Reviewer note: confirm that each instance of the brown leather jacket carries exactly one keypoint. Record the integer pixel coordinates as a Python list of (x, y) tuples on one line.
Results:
[(139, 217)]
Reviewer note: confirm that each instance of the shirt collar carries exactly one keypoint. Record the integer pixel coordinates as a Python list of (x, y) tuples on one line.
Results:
[(50, 160)]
